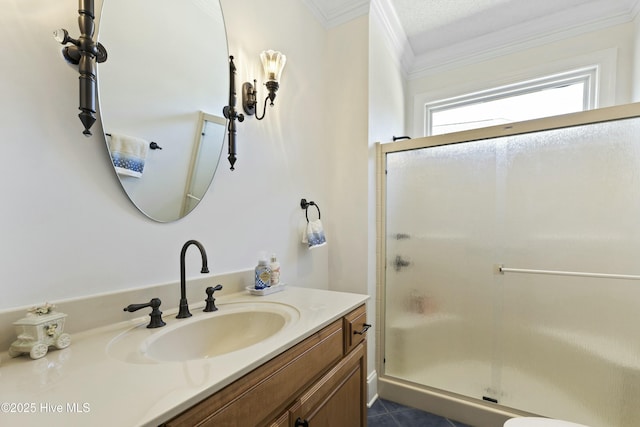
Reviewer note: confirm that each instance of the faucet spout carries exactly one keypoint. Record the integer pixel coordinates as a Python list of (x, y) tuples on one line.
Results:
[(184, 305)]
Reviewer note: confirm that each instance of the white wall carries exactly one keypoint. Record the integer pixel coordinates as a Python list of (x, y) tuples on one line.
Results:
[(636, 60), (283, 158), (387, 86), (68, 230), (346, 139), (386, 118), (612, 47)]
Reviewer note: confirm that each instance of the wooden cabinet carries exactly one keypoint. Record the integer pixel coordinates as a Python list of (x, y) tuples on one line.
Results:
[(338, 399), (320, 382)]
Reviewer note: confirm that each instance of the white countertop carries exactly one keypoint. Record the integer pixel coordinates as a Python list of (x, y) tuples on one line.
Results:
[(83, 385)]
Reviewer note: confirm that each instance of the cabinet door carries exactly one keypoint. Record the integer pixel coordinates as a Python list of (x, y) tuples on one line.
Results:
[(338, 399)]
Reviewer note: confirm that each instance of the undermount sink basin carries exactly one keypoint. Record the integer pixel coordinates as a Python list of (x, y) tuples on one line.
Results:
[(235, 326)]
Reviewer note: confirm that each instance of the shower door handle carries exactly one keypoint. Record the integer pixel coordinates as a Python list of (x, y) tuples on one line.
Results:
[(400, 263)]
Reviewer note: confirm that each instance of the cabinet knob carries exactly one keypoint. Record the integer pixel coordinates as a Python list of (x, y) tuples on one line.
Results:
[(301, 423)]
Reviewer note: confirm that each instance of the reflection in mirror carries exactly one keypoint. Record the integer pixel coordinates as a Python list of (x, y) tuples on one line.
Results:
[(208, 146), (166, 82)]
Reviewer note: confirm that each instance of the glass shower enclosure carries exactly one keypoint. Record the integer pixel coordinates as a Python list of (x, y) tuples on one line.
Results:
[(510, 266)]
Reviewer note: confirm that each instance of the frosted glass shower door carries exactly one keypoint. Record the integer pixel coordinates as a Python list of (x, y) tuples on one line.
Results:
[(571, 344), (513, 270), (440, 235)]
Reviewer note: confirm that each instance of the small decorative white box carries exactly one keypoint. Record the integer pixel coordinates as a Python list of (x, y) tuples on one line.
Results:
[(41, 328)]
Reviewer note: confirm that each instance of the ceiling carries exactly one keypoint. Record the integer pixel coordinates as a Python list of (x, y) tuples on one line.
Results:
[(430, 33)]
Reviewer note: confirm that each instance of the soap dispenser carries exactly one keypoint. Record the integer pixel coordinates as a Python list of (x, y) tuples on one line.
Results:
[(263, 274)]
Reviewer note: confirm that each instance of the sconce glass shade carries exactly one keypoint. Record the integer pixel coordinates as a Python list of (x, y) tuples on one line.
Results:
[(273, 63)]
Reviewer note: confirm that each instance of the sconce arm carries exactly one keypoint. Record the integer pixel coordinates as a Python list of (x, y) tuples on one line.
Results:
[(250, 97), (62, 36), (264, 109)]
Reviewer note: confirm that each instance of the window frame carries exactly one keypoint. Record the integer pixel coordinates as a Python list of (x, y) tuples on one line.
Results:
[(587, 75)]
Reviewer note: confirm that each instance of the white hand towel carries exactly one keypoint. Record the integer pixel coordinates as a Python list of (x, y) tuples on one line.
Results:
[(128, 154), (313, 235)]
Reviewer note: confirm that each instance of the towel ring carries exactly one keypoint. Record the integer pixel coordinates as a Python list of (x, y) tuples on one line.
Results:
[(305, 205)]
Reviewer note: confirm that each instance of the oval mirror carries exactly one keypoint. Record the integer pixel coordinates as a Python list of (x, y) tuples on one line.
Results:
[(161, 95)]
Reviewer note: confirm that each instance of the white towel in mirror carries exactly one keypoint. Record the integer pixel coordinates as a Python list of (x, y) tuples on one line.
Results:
[(128, 154)]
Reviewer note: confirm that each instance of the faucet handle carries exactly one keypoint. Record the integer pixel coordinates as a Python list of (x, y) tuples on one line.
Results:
[(156, 315), (211, 301)]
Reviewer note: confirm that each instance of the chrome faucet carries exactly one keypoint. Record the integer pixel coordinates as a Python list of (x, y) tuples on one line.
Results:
[(184, 305)]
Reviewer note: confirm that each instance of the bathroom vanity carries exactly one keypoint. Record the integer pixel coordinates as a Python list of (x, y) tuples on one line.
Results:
[(320, 381), (309, 370)]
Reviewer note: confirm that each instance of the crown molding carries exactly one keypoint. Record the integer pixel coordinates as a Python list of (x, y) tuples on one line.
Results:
[(635, 9), (524, 36), (333, 16), (394, 34), (596, 16)]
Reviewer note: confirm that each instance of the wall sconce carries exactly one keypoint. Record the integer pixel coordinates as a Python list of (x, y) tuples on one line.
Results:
[(84, 52), (273, 63)]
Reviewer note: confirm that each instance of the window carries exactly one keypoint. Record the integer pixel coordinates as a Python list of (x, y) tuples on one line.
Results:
[(549, 96)]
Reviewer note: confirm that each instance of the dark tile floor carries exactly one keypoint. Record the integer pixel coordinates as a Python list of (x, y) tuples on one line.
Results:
[(385, 413)]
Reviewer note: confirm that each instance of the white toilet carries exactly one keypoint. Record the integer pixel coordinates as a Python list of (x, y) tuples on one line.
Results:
[(539, 422)]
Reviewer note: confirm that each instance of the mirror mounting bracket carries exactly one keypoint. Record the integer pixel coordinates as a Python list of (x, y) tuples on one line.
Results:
[(231, 114), (85, 53)]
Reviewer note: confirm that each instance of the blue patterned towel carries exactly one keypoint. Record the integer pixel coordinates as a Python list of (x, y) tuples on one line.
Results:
[(128, 154), (314, 234)]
